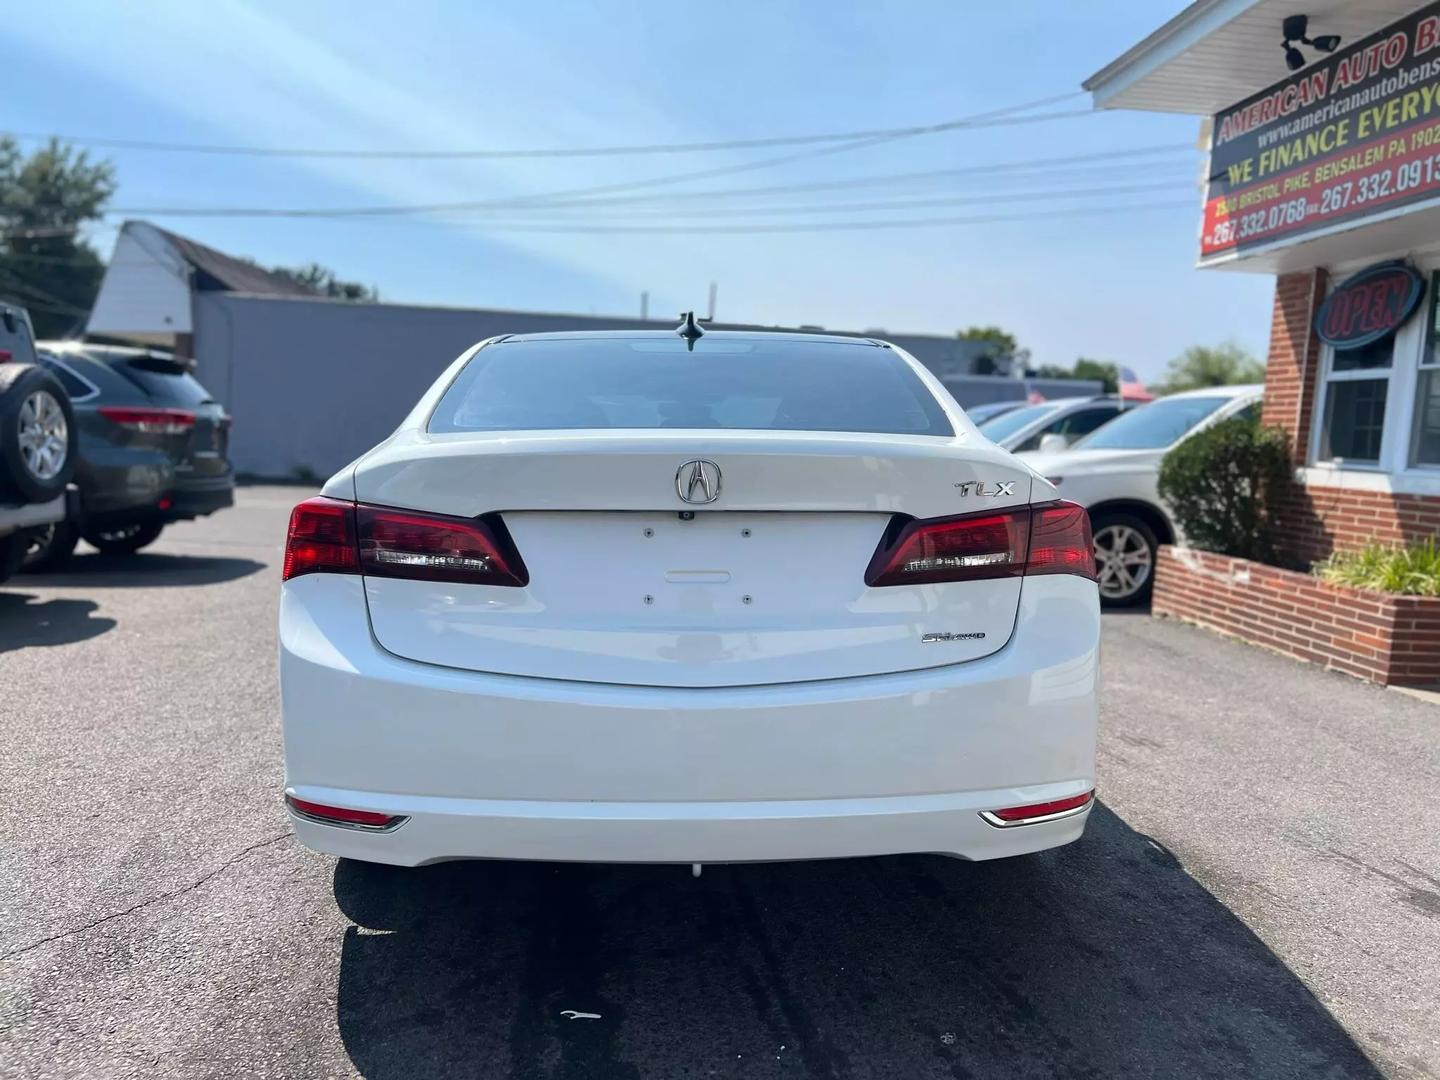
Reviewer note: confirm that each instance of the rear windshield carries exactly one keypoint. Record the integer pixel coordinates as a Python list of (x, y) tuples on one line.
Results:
[(165, 382), (658, 383)]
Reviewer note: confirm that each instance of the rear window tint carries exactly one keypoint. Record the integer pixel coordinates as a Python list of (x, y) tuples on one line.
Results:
[(165, 384), (658, 383)]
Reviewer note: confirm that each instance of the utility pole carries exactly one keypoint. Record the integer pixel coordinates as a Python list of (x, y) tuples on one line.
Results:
[(711, 317), (644, 306)]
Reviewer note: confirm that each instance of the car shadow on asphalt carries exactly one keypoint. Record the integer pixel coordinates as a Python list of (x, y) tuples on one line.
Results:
[(146, 569), (26, 621), (1103, 958)]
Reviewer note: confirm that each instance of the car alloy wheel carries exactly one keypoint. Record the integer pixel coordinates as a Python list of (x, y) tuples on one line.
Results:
[(1123, 561), (44, 435)]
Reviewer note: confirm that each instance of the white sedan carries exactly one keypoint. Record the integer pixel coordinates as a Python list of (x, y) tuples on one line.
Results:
[(1114, 472), (688, 598)]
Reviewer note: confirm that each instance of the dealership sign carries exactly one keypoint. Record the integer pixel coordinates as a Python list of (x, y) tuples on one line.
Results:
[(1346, 139), (1370, 305)]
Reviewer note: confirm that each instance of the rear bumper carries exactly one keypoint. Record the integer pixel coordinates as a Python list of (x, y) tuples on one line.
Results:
[(437, 829), (197, 498), (487, 766), (123, 492)]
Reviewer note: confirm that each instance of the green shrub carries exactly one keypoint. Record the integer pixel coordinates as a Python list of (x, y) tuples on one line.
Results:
[(1221, 486), (1414, 571)]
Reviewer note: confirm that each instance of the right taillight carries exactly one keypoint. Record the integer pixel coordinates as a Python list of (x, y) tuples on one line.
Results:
[(1049, 538), (321, 539), (336, 537)]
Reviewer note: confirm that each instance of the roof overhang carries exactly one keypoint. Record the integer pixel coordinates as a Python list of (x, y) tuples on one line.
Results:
[(1218, 52)]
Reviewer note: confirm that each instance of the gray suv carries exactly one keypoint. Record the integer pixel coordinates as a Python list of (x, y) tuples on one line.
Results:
[(151, 450)]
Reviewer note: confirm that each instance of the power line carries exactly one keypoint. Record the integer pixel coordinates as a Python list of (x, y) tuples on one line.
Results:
[(760, 228), (823, 208), (843, 226), (979, 119), (540, 202), (1021, 168), (558, 152)]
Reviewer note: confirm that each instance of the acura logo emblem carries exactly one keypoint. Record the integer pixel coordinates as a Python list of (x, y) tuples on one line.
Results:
[(698, 481)]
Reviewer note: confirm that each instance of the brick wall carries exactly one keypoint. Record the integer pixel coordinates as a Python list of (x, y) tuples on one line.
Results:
[(1394, 640), (1315, 520), (1294, 357)]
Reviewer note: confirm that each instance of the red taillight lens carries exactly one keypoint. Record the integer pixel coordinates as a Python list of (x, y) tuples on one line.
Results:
[(341, 815), (1051, 538), (151, 421), (430, 547), (335, 537), (1014, 814), (6, 354), (321, 539), (956, 549), (1060, 540)]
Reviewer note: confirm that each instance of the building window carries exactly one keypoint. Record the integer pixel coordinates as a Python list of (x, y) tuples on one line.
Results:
[(1425, 441), (1355, 392)]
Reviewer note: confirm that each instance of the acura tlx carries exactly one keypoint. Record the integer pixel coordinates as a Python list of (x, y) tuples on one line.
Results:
[(687, 597)]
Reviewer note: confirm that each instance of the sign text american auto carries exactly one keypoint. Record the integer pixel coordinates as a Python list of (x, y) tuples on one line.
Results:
[(1356, 134)]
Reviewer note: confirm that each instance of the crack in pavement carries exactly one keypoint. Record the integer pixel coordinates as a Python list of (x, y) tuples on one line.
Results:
[(171, 895)]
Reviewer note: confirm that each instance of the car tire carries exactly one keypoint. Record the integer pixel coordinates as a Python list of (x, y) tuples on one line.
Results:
[(37, 434), (124, 539), (12, 552), (1125, 548), (50, 547)]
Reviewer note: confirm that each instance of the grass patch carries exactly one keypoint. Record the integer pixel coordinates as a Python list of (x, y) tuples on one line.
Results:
[(1413, 571)]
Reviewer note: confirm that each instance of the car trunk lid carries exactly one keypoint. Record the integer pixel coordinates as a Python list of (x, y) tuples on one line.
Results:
[(628, 583)]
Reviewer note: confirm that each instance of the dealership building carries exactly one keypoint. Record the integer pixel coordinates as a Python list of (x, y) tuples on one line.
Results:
[(1323, 171)]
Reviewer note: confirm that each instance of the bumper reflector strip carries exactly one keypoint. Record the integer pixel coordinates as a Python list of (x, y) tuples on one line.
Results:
[(1034, 813), (342, 816)]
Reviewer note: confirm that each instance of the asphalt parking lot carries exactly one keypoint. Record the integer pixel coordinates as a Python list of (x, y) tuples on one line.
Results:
[(1258, 895)]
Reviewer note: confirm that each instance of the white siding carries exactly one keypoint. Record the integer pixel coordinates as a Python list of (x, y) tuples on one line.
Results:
[(146, 291)]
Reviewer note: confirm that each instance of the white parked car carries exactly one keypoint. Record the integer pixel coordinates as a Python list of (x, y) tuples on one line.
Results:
[(1113, 473), (1050, 425), (657, 597)]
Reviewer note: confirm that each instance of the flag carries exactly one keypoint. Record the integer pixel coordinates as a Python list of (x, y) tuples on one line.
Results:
[(1034, 397), (1131, 388)]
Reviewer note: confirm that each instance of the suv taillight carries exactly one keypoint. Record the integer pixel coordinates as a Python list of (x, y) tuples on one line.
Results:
[(1049, 538), (150, 421), (335, 537)]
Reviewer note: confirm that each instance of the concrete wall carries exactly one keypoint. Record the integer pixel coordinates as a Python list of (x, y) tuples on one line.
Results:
[(312, 384)]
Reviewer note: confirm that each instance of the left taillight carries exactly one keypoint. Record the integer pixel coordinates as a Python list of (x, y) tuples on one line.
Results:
[(332, 536), (1048, 538)]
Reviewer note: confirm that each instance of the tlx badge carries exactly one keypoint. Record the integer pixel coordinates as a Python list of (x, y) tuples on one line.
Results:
[(984, 490)]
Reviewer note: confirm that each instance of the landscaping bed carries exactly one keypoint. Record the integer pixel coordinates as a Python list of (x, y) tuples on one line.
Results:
[(1389, 638)]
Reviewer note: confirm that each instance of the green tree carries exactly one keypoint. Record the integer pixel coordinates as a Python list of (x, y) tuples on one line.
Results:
[(1002, 352), (325, 282), (1103, 371), (1107, 374), (1199, 366), (46, 199)]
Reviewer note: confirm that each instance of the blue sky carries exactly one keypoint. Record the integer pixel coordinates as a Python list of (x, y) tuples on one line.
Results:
[(1118, 285)]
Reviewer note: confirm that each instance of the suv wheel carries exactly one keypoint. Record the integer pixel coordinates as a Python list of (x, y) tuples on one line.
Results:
[(50, 546), (37, 433), (1124, 559), (125, 539)]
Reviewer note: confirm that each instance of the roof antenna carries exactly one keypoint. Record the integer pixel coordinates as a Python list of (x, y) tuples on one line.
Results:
[(689, 329)]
